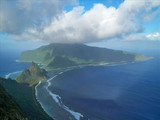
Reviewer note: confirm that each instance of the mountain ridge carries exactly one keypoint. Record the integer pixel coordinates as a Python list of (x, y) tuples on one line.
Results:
[(77, 54), (32, 75)]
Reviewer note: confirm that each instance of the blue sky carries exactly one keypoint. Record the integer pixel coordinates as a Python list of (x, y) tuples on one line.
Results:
[(88, 4), (108, 23), (150, 26), (8, 45)]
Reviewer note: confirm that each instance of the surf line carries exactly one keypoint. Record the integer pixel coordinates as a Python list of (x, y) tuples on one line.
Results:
[(36, 96), (58, 100), (12, 73)]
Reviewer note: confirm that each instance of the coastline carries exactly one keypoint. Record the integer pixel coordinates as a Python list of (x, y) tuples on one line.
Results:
[(12, 73), (88, 64), (25, 98), (33, 94), (60, 71), (38, 103), (96, 65), (57, 98)]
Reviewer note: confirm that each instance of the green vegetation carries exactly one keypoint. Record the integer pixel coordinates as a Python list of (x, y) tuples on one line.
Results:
[(32, 75), (67, 55), (9, 109), (24, 96), (61, 62), (140, 57)]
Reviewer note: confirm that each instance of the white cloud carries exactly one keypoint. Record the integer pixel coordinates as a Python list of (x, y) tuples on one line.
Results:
[(98, 23), (138, 37), (153, 36), (17, 16)]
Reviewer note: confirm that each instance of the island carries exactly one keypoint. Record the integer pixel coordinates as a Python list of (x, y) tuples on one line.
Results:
[(58, 56)]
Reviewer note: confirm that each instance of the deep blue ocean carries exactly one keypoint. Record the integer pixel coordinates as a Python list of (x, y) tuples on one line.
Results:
[(118, 92), (9, 66)]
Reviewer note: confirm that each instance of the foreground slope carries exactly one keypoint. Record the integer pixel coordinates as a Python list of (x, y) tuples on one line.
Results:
[(24, 96), (67, 55), (9, 109)]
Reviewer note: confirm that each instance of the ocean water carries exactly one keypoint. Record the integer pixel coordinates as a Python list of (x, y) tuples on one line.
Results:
[(118, 92), (9, 66)]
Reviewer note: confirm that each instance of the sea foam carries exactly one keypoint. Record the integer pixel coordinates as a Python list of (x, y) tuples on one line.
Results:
[(58, 100), (12, 73)]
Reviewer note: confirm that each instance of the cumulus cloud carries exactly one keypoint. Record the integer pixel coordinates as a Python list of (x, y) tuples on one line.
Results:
[(17, 16), (154, 36), (80, 26), (138, 37)]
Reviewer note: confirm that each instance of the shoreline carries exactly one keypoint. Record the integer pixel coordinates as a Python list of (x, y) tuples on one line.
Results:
[(86, 65), (35, 95), (25, 98), (39, 105), (60, 71), (11, 73), (95, 68), (57, 98)]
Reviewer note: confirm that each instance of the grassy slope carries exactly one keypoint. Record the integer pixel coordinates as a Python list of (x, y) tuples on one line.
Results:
[(32, 75), (9, 109), (25, 97), (61, 62)]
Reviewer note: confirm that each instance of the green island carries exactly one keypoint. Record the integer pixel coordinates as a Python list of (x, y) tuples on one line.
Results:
[(21, 91), (58, 56)]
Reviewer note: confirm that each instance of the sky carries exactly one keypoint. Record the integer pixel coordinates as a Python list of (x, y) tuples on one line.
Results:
[(117, 24)]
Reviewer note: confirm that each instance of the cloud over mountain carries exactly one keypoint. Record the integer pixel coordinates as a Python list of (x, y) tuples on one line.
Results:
[(17, 16), (47, 21)]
